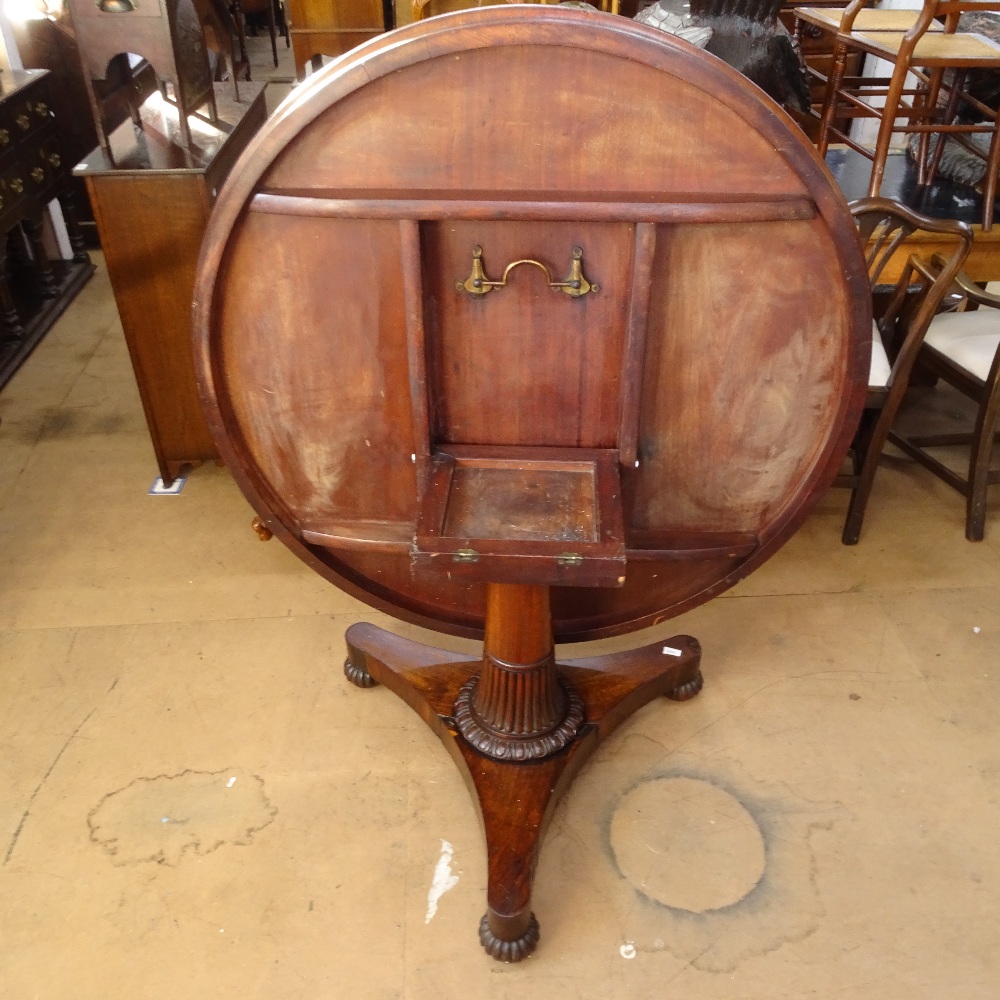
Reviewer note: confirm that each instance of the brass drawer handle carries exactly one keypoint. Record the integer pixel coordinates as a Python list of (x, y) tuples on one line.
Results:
[(55, 159), (17, 185), (575, 284), (23, 122), (37, 175), (42, 109), (4, 137)]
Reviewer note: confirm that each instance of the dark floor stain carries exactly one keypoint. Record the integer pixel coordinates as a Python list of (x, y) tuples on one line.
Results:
[(162, 819), (111, 423), (773, 898), (64, 423)]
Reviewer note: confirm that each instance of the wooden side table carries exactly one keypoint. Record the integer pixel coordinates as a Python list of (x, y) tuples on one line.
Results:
[(151, 206)]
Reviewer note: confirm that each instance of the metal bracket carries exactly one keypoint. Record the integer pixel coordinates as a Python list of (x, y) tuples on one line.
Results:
[(575, 284)]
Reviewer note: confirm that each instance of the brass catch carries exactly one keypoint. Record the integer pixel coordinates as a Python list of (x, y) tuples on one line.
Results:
[(575, 284), (569, 559), (465, 556)]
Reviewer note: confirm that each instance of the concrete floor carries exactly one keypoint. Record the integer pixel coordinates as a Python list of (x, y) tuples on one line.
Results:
[(193, 802)]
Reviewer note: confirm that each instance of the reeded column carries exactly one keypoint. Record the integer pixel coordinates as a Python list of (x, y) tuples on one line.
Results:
[(518, 708)]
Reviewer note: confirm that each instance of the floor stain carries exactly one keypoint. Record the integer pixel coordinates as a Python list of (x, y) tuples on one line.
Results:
[(722, 865), (162, 819), (687, 844)]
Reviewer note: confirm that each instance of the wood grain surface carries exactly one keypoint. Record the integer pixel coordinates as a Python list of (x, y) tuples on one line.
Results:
[(725, 356)]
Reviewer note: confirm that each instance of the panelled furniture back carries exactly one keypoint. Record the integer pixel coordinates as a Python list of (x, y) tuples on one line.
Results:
[(332, 27), (151, 203), (522, 335)]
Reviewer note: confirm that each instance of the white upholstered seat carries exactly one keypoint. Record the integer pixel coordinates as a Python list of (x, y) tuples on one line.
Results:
[(878, 373), (968, 339)]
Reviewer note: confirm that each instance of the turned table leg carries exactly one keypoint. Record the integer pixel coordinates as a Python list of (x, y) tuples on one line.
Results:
[(43, 268), (11, 321)]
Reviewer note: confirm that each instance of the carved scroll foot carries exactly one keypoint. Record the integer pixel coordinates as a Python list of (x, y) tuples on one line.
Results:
[(357, 674), (508, 951), (687, 690)]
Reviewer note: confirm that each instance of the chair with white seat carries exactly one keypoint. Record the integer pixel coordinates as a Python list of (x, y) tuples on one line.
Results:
[(963, 349), (903, 313)]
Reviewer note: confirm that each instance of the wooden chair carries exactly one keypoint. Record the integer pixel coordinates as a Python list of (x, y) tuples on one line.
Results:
[(901, 318), (934, 55), (963, 349)]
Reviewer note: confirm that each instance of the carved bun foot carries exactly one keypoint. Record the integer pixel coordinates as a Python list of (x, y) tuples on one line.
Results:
[(508, 951), (687, 690), (357, 674)]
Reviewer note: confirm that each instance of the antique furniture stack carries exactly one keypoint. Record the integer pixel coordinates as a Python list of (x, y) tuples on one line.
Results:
[(152, 181), (925, 93), (167, 33), (34, 169), (500, 386), (151, 199)]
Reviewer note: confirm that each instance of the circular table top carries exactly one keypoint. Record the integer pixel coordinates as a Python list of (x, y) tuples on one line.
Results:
[(723, 363)]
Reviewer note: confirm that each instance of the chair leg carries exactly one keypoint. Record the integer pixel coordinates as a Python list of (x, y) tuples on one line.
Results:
[(871, 439), (272, 30), (990, 180), (979, 467), (927, 162), (886, 128), (838, 67)]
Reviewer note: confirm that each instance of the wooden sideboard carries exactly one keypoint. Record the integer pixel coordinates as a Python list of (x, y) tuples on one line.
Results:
[(33, 171), (151, 206), (333, 27)]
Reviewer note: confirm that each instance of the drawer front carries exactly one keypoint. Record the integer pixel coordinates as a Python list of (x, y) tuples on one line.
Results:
[(23, 115), (43, 167), (15, 193)]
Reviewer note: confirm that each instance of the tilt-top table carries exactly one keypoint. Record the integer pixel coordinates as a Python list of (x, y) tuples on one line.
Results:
[(540, 325)]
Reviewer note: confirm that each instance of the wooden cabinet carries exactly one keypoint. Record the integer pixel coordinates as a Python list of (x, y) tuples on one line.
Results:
[(332, 27), (33, 171), (151, 205)]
